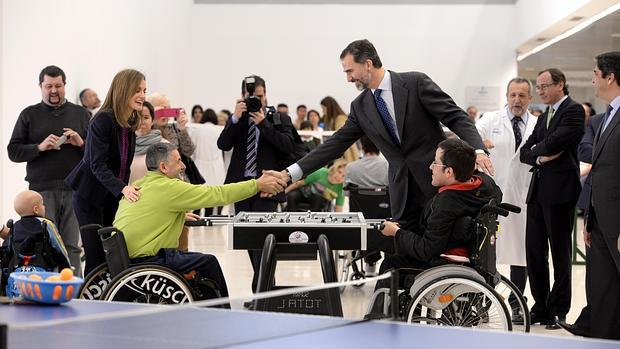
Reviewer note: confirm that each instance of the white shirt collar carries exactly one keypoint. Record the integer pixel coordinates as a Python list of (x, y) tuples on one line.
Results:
[(386, 82), (557, 104)]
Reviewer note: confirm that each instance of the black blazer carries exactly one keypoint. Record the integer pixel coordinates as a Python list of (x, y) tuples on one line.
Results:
[(420, 105), (96, 175), (556, 181), (585, 155), (273, 143), (605, 172)]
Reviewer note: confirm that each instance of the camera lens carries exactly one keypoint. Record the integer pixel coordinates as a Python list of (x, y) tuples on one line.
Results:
[(253, 104)]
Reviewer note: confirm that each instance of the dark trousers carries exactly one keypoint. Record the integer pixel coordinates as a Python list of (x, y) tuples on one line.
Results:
[(88, 213), (518, 276), (549, 226), (256, 204), (296, 201), (604, 282), (205, 265), (414, 208)]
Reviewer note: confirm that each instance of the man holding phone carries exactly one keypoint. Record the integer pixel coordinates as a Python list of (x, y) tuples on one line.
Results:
[(49, 136)]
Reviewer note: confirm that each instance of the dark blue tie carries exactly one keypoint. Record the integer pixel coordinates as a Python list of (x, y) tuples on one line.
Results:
[(388, 122), (250, 155), (606, 117), (517, 131)]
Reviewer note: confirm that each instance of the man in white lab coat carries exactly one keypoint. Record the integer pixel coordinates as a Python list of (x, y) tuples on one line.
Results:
[(503, 132)]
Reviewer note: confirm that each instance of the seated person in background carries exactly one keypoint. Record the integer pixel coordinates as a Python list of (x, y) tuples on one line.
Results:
[(371, 171), (318, 189), (152, 225), (311, 142), (461, 193), (28, 231)]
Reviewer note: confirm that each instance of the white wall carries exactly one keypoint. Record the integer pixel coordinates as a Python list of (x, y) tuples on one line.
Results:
[(200, 53)]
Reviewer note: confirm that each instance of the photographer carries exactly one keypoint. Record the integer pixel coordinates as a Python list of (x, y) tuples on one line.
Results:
[(260, 137)]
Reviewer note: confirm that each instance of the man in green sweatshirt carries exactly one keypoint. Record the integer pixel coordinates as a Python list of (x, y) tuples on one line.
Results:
[(152, 225)]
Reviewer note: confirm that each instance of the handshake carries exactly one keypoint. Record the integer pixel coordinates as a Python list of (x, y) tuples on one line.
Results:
[(272, 182)]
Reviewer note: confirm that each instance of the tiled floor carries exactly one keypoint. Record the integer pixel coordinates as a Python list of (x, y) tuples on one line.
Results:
[(238, 272)]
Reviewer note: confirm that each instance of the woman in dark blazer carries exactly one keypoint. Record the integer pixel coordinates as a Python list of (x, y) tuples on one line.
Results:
[(101, 179)]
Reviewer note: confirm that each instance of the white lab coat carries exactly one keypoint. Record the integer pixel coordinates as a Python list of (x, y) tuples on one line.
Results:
[(207, 156), (513, 177)]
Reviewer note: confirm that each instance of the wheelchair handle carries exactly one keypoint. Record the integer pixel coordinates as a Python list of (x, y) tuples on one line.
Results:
[(510, 207), (494, 209), (105, 233)]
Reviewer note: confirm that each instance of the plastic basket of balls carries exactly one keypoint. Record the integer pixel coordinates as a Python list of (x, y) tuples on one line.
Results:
[(46, 287)]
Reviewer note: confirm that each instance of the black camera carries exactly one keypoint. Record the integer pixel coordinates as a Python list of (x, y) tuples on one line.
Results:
[(252, 103)]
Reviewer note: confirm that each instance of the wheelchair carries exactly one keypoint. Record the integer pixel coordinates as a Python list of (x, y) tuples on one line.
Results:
[(118, 280), (374, 203), (463, 292), (42, 251)]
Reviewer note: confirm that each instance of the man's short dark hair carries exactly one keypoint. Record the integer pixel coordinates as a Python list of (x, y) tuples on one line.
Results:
[(158, 153), (556, 76), (301, 106), (305, 125), (609, 63), (361, 50), (368, 146), (52, 71), (282, 105), (460, 156), (258, 81), (82, 97)]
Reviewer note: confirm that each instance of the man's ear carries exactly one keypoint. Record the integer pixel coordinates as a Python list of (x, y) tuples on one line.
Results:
[(163, 168)]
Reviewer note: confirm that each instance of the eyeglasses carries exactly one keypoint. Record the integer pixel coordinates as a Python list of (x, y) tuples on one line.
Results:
[(434, 163), (543, 87)]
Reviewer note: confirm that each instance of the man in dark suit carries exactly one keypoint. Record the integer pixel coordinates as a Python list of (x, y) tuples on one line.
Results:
[(581, 326), (603, 214), (401, 114), (552, 151), (258, 139)]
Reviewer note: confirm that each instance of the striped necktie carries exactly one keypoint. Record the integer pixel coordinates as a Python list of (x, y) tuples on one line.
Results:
[(550, 115), (251, 151)]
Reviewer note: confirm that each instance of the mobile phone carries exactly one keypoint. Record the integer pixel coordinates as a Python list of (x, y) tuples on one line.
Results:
[(62, 140), (168, 113)]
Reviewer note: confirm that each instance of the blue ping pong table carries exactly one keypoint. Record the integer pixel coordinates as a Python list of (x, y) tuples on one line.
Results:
[(88, 324)]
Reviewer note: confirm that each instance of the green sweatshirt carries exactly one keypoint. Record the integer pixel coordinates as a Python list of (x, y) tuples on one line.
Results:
[(155, 221)]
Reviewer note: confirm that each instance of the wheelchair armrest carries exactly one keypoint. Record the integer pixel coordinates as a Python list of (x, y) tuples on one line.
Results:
[(105, 233)]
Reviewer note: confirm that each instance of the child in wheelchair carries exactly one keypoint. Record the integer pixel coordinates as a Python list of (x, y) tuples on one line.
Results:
[(33, 242)]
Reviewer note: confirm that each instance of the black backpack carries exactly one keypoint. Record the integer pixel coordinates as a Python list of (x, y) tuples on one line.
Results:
[(300, 150)]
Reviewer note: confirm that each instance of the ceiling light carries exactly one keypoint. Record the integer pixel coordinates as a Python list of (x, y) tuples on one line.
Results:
[(577, 28)]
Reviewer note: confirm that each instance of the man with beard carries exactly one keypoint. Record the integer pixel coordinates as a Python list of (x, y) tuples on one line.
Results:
[(49, 136)]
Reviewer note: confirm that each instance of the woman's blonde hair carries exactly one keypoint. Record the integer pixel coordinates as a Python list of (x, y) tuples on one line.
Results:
[(124, 85)]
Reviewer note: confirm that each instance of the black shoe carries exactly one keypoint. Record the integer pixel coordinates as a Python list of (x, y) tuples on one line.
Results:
[(535, 318), (574, 329), (554, 324)]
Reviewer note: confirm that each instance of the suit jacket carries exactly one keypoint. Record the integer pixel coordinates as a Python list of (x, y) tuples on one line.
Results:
[(556, 181), (605, 193), (273, 143), (96, 175), (419, 105), (585, 155)]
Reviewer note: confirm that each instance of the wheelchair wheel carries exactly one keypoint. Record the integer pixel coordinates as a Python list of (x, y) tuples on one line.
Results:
[(149, 284), (459, 301), (519, 309), (95, 283)]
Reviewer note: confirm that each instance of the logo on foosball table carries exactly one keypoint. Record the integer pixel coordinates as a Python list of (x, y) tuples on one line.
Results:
[(298, 237)]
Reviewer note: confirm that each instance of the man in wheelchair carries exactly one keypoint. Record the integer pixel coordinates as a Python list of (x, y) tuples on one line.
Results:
[(33, 242), (462, 192), (152, 225)]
